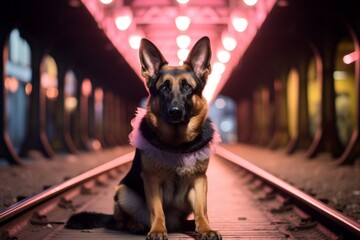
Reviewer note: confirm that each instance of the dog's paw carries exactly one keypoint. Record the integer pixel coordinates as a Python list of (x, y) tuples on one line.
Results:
[(157, 236), (210, 235)]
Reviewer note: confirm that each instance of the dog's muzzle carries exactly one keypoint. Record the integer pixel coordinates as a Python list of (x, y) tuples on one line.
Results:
[(176, 113)]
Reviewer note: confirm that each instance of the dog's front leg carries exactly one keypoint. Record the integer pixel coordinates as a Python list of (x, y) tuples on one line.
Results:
[(198, 201), (154, 192)]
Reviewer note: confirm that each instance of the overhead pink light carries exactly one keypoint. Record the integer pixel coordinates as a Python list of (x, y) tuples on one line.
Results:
[(86, 87), (123, 19), (134, 41), (106, 1), (250, 2), (351, 57), (229, 42), (183, 1), (183, 41), (210, 87), (183, 53), (218, 68), (240, 24), (223, 56), (182, 22)]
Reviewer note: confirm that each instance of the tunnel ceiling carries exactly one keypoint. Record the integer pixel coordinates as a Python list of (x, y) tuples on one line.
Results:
[(175, 25), (69, 33), (285, 39)]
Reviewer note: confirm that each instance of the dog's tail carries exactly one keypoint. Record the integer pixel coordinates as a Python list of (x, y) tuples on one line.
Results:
[(89, 220)]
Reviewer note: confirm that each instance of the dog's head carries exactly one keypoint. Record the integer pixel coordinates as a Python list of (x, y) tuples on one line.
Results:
[(176, 91)]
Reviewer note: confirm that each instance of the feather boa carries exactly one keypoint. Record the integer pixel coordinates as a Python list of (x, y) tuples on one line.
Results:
[(165, 158)]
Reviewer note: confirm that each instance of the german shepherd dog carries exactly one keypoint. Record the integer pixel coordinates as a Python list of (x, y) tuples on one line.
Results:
[(167, 180)]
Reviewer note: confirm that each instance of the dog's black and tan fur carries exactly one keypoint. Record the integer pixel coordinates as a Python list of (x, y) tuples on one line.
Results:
[(154, 197)]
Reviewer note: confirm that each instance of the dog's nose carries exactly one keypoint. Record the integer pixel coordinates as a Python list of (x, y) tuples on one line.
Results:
[(175, 112)]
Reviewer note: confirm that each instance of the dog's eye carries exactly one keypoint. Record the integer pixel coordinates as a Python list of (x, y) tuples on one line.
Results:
[(186, 88), (165, 88)]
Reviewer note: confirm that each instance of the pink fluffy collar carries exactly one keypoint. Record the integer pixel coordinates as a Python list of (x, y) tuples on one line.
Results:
[(163, 157)]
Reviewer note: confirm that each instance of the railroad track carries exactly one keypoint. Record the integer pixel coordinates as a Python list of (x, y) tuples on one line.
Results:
[(290, 211)]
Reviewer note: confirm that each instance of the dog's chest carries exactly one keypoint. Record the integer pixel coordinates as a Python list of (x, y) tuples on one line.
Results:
[(175, 191)]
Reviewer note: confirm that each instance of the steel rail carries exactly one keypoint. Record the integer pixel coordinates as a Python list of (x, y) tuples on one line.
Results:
[(347, 226), (56, 190)]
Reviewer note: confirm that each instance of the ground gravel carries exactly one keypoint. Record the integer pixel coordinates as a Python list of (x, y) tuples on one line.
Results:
[(38, 172)]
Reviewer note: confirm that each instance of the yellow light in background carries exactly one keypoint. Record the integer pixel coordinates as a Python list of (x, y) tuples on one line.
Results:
[(223, 56), (70, 103), (182, 22), (183, 41)]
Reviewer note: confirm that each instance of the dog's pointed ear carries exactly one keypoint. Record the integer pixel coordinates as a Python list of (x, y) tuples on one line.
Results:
[(151, 61), (199, 58)]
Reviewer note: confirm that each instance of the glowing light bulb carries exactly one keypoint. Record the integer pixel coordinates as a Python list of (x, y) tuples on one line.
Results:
[(240, 24), (183, 1), (183, 53), (223, 56), (134, 41), (218, 68), (183, 41), (250, 2), (182, 22), (123, 19), (229, 43), (106, 1)]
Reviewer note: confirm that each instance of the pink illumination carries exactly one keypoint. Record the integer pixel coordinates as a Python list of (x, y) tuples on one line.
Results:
[(210, 87), (250, 2), (183, 1), (229, 43), (28, 89), (86, 87), (155, 20), (351, 57), (223, 56), (183, 53), (183, 41), (240, 24), (52, 93), (11, 84), (134, 41), (106, 1), (182, 22), (218, 68), (124, 19)]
